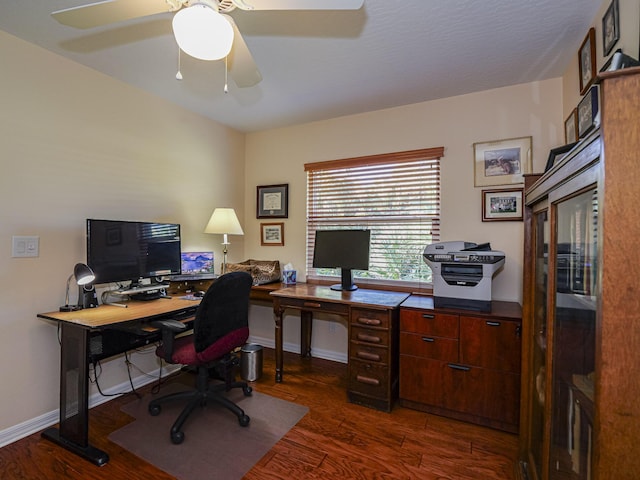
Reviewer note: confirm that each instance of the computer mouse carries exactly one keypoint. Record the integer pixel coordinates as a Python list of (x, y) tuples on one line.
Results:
[(199, 293)]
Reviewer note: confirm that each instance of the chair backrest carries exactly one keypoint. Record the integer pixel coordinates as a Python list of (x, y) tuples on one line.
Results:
[(223, 309)]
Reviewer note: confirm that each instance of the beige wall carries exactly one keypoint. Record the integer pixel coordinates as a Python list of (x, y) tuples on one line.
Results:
[(278, 156), (78, 144)]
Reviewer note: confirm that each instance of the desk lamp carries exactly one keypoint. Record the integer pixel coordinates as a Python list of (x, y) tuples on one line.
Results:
[(225, 221), (84, 276)]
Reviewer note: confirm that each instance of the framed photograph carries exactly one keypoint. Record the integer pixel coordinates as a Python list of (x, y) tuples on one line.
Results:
[(502, 205), (557, 154), (610, 27), (273, 201), (272, 234), (502, 162), (587, 111), (571, 127), (587, 61)]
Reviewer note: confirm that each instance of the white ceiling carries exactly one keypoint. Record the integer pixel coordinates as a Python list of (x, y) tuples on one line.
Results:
[(324, 64)]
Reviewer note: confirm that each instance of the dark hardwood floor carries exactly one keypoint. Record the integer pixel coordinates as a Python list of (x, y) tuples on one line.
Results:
[(335, 440)]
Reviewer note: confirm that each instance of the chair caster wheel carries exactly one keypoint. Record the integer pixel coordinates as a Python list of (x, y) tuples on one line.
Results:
[(154, 410), (177, 438), (247, 391), (244, 420)]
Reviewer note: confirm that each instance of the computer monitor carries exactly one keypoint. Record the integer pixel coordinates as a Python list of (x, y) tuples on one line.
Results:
[(120, 251), (344, 249)]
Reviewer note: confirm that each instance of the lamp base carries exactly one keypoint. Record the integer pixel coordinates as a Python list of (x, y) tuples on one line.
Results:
[(70, 308)]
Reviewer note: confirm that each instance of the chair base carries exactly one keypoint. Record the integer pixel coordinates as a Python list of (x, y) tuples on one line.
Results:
[(203, 395)]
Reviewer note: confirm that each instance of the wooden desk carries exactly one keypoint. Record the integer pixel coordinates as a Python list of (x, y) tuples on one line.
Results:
[(92, 334), (373, 336)]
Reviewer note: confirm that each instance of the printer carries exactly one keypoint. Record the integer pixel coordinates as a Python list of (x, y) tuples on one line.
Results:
[(462, 274)]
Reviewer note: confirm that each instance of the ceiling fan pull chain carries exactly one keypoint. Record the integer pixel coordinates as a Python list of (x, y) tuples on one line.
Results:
[(226, 73), (179, 74)]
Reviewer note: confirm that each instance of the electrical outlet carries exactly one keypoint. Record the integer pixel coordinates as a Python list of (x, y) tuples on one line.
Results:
[(25, 246)]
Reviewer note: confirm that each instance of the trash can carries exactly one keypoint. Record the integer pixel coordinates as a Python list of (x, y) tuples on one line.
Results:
[(251, 362)]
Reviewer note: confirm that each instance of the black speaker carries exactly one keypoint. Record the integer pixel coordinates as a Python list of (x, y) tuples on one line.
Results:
[(89, 297)]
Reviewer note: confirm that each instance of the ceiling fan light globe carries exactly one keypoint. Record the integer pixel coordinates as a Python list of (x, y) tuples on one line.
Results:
[(202, 33)]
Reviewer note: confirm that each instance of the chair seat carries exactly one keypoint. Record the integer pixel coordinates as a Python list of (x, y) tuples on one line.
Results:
[(184, 351)]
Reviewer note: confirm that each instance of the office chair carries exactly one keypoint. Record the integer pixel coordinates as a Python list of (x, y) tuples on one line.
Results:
[(220, 327)]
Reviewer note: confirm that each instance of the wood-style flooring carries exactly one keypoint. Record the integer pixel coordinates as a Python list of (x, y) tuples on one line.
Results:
[(335, 440)]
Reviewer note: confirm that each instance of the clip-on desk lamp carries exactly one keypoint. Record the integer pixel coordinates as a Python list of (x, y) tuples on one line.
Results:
[(84, 276)]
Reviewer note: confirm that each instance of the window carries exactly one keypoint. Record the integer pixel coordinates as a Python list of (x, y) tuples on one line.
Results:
[(396, 196)]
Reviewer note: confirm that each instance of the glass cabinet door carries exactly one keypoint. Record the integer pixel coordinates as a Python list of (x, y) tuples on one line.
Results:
[(538, 360), (574, 325)]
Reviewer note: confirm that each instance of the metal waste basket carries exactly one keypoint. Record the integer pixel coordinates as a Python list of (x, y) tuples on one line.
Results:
[(251, 362)]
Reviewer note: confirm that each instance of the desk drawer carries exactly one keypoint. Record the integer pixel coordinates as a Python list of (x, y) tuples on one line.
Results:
[(445, 349), (369, 353), (370, 336), (370, 318), (429, 323), (369, 378), (313, 305)]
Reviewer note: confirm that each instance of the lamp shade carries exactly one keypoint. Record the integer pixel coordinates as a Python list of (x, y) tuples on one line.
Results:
[(83, 274), (224, 220), (202, 32)]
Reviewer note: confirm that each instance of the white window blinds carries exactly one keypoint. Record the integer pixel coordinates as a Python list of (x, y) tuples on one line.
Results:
[(396, 196)]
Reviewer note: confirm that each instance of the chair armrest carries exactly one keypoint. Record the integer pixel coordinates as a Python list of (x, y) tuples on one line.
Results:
[(169, 329)]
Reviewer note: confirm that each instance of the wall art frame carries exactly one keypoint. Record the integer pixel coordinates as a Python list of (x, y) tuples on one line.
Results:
[(571, 127), (502, 205), (587, 61), (272, 201), (557, 154), (272, 234), (587, 112), (610, 27), (502, 162)]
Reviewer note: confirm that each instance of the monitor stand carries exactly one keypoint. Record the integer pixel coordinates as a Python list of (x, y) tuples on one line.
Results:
[(347, 281)]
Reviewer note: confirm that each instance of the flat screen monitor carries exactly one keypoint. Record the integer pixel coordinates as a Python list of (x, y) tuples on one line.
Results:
[(120, 251), (344, 249)]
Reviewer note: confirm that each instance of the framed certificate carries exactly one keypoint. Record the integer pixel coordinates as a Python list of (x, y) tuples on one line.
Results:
[(273, 201)]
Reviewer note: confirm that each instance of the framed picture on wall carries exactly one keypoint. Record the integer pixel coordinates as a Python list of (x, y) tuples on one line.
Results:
[(272, 234), (610, 27), (502, 205), (273, 201), (502, 162), (557, 154), (587, 61), (587, 112), (571, 127)]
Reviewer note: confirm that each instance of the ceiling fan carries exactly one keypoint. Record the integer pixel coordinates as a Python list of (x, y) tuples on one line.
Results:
[(202, 27)]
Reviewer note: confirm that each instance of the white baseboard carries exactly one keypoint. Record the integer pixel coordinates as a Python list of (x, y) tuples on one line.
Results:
[(24, 429), (28, 427)]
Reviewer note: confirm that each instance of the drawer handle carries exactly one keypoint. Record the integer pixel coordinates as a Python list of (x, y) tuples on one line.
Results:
[(368, 380), (428, 316), (459, 367), (368, 338), (428, 339), (368, 321), (368, 356), (493, 324), (312, 304)]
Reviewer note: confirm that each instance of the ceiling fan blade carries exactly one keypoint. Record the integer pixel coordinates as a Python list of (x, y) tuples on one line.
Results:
[(298, 4), (242, 67), (112, 11)]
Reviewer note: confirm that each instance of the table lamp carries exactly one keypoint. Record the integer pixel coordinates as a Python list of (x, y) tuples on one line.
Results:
[(224, 221), (84, 276)]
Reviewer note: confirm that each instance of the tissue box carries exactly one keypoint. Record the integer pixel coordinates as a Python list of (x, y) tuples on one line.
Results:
[(289, 277)]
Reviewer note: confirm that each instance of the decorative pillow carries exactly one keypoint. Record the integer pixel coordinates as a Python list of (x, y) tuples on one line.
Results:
[(265, 271)]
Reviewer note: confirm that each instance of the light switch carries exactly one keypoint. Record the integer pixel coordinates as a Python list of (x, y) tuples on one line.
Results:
[(25, 246)]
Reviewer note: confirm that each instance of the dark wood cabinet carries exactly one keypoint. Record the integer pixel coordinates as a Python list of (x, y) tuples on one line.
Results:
[(581, 336), (461, 364)]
